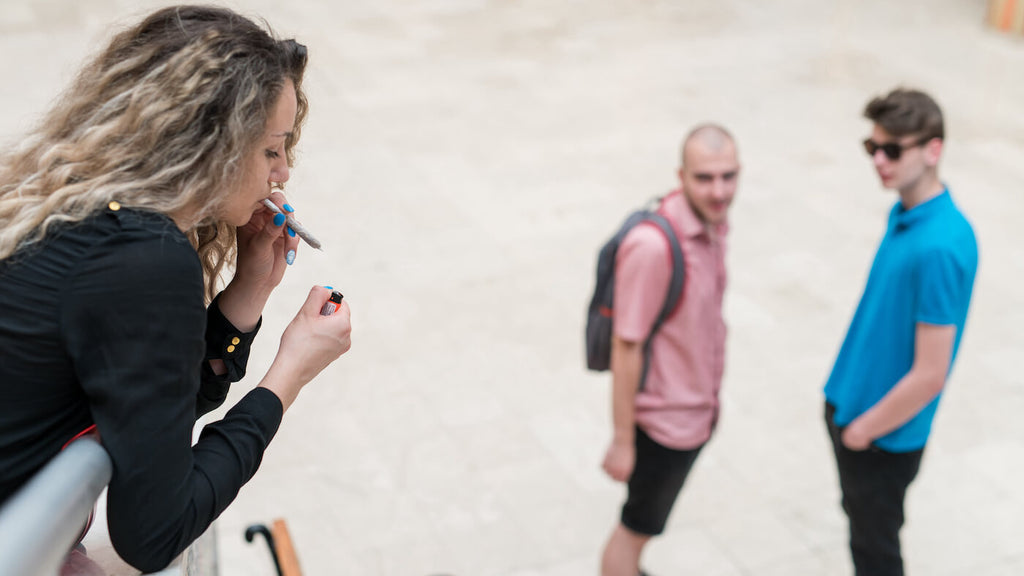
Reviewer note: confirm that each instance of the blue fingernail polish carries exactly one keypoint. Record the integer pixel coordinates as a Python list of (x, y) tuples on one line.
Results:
[(291, 232), (290, 257), (288, 208), (278, 219), (329, 287)]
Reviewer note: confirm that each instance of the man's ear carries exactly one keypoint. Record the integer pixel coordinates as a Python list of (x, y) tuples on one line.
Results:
[(680, 173), (933, 151)]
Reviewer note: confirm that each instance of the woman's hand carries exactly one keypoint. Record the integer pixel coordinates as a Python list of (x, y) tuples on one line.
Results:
[(308, 345), (265, 249)]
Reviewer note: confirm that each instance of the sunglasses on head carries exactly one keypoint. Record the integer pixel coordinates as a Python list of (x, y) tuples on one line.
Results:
[(892, 150)]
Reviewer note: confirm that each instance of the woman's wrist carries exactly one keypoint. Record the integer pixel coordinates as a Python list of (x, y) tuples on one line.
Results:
[(277, 381), (242, 305)]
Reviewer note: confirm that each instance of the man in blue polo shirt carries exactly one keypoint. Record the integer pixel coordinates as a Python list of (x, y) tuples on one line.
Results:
[(887, 380)]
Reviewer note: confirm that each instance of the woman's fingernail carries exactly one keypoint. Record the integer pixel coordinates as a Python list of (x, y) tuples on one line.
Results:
[(290, 257), (291, 232), (278, 219), (329, 287), (288, 208)]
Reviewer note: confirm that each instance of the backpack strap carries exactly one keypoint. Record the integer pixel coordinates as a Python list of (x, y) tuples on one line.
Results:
[(675, 286)]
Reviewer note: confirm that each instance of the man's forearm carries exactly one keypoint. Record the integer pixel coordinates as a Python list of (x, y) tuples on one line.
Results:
[(933, 349), (910, 395), (626, 365)]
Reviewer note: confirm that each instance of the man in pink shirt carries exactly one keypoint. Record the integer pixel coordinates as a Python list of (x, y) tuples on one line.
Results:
[(660, 428)]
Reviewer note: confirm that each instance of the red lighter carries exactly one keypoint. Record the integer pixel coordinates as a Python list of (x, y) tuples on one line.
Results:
[(332, 304)]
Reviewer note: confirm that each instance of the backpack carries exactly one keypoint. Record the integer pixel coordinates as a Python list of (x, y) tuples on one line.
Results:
[(599, 315)]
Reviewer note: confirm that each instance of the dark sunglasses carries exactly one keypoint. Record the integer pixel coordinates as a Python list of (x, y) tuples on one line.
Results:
[(892, 150)]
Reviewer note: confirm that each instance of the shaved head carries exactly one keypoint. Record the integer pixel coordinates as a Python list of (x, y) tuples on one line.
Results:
[(710, 172), (711, 137)]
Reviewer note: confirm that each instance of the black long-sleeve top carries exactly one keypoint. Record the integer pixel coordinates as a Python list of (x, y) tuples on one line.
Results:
[(104, 322)]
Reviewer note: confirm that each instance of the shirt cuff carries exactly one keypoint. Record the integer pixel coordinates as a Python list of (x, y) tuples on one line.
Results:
[(227, 343), (265, 410)]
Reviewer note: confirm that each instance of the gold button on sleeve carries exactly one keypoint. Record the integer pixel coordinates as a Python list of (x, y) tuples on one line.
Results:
[(231, 349), (235, 340), (114, 205)]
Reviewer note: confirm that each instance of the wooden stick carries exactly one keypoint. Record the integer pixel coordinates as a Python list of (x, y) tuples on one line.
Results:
[(285, 550)]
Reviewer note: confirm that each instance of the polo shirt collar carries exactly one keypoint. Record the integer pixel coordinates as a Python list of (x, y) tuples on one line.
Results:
[(903, 218)]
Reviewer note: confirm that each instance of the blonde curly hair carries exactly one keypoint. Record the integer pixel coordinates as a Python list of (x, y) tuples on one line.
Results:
[(162, 120)]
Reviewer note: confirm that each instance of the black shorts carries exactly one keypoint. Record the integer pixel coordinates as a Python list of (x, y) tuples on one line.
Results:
[(657, 478)]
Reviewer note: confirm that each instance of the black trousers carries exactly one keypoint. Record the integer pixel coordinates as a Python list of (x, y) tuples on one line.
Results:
[(874, 483)]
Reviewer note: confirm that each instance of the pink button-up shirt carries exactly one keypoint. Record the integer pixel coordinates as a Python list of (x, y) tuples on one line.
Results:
[(678, 406)]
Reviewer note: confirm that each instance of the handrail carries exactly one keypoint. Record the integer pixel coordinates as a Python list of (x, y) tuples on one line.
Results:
[(40, 523)]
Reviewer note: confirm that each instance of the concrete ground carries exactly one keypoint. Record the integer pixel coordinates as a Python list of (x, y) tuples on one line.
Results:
[(463, 161)]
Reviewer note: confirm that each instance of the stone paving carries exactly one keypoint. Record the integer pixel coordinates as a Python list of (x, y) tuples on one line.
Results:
[(463, 161)]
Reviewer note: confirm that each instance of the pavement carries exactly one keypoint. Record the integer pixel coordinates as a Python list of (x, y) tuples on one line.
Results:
[(463, 161)]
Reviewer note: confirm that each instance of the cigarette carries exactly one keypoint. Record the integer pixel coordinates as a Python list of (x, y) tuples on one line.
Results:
[(294, 224)]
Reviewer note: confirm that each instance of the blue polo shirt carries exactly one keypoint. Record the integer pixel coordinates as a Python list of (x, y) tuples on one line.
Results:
[(923, 273)]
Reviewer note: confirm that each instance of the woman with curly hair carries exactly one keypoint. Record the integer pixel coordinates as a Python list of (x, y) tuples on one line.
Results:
[(142, 186)]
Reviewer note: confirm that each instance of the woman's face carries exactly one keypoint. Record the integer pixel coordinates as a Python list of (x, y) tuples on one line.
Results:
[(267, 164)]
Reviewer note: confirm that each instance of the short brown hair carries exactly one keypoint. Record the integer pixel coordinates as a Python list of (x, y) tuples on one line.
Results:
[(906, 112)]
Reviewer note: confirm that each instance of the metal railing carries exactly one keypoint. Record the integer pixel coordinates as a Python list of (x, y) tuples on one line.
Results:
[(42, 521)]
